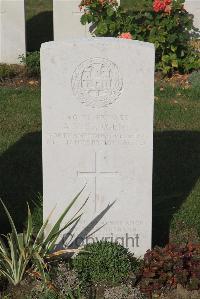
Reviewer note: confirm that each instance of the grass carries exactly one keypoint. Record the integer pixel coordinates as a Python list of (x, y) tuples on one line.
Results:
[(34, 7), (39, 23), (176, 184), (20, 150)]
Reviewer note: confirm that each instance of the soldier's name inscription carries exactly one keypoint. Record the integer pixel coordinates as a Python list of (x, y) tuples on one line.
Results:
[(96, 129)]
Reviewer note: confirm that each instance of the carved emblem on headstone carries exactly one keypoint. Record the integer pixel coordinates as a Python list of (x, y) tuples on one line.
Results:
[(97, 82)]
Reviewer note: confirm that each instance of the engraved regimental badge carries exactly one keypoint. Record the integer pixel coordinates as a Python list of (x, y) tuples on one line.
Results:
[(97, 82)]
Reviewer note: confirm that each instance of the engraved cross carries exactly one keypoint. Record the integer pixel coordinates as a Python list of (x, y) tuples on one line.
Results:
[(95, 174)]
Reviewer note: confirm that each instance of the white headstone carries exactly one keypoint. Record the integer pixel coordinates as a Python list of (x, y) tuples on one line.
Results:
[(66, 19), (12, 30), (97, 109), (193, 7)]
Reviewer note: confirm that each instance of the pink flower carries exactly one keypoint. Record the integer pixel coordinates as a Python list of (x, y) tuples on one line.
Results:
[(126, 35), (168, 9), (162, 5)]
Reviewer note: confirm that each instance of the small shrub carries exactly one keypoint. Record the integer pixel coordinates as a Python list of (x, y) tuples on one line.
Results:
[(7, 71), (194, 79), (32, 63), (167, 267), (64, 279), (123, 291), (42, 293), (103, 262)]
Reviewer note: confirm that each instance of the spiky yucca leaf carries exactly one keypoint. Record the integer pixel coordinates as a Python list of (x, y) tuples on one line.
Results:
[(22, 251), (56, 227)]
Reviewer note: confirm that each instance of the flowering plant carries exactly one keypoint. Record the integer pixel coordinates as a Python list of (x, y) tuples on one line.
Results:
[(105, 17), (168, 25)]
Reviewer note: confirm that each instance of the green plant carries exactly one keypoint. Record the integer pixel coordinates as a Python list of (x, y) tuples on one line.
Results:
[(168, 26), (64, 278), (103, 262), (37, 213), (20, 252), (7, 71), (44, 294), (194, 79), (169, 266), (137, 5), (75, 294), (32, 63)]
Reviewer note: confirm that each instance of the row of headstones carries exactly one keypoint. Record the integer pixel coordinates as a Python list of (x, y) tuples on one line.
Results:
[(66, 24), (12, 26)]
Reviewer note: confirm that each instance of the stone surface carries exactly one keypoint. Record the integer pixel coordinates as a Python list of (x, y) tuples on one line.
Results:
[(12, 30), (66, 19), (97, 110), (193, 7)]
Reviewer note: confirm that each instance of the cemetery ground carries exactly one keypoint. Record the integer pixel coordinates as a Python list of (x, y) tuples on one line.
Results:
[(176, 185)]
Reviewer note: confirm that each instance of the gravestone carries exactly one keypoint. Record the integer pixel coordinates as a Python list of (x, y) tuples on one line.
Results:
[(193, 7), (12, 30), (66, 19), (97, 111)]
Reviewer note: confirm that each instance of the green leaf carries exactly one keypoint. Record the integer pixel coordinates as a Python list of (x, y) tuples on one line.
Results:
[(110, 11), (29, 227), (56, 227), (173, 48), (84, 19), (175, 63), (112, 27), (11, 223), (40, 235), (102, 28), (57, 234)]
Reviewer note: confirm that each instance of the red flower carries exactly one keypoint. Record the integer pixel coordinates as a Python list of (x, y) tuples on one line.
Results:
[(126, 35), (158, 5)]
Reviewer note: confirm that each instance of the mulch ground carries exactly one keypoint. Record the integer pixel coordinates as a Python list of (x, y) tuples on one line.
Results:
[(22, 80)]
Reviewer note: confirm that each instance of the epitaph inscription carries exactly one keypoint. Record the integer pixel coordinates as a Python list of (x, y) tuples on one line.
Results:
[(97, 82)]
